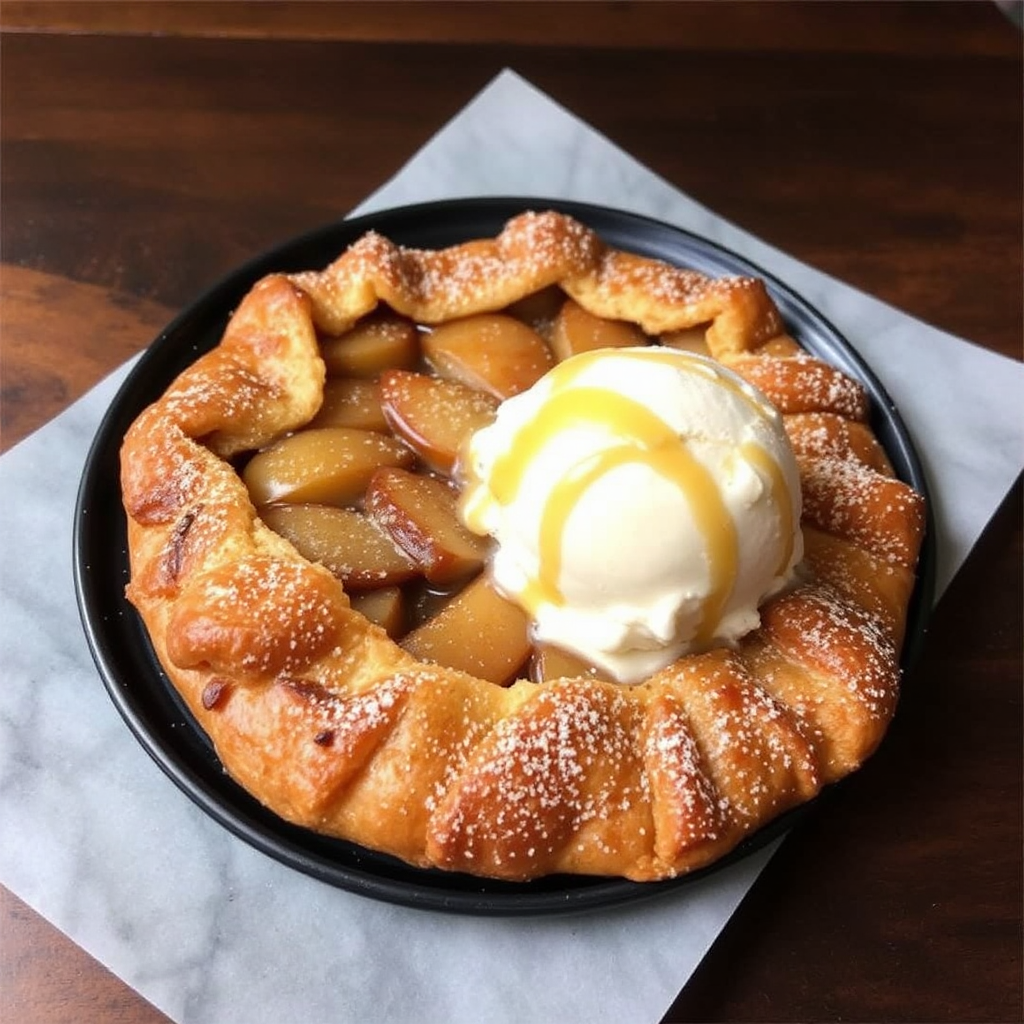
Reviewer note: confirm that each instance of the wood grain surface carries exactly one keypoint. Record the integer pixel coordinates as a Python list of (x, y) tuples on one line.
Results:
[(147, 149)]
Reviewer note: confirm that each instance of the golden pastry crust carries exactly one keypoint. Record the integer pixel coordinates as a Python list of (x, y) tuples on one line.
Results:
[(335, 727)]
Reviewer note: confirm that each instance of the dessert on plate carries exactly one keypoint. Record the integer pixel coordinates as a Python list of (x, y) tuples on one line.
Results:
[(523, 556)]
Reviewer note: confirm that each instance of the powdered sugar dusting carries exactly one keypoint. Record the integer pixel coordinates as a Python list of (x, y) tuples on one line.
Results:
[(548, 772), (851, 500), (681, 779), (848, 651), (339, 721), (801, 383)]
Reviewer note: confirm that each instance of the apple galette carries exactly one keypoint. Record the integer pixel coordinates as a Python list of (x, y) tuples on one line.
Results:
[(522, 556)]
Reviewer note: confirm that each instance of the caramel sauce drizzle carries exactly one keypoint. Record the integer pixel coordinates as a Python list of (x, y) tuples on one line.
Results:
[(761, 460)]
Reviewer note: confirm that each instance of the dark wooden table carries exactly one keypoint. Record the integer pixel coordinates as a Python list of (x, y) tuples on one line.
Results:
[(149, 148)]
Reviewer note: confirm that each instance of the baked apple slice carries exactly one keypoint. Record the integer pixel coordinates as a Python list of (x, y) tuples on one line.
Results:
[(348, 543), (575, 330), (539, 309), (432, 415), (374, 344), (478, 632), (688, 339), (492, 352), (419, 514), (327, 466), (550, 662), (384, 606), (351, 402)]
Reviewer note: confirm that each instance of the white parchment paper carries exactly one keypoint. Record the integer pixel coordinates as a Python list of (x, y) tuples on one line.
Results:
[(97, 839)]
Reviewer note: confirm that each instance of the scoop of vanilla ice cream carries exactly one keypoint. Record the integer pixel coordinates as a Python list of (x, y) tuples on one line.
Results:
[(645, 501)]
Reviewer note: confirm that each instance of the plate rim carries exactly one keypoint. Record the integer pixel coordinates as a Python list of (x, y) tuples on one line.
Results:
[(425, 890)]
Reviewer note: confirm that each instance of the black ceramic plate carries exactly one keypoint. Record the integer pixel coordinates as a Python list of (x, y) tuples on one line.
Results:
[(150, 705)]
